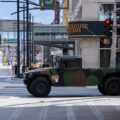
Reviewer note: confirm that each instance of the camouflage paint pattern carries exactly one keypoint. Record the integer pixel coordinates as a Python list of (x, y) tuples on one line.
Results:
[(50, 72), (94, 76), (86, 76), (75, 76)]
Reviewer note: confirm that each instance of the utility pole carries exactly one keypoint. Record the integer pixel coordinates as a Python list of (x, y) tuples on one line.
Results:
[(114, 40), (24, 37), (27, 15), (18, 39), (30, 39)]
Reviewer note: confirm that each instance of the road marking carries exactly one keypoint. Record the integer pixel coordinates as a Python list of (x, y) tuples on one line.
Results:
[(95, 111), (114, 104), (16, 114), (70, 113), (43, 113)]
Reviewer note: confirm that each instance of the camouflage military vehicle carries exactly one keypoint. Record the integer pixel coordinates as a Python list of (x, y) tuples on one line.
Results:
[(69, 72)]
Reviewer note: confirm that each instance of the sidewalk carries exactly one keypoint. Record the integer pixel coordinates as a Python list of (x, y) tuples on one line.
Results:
[(7, 71), (5, 67), (11, 82)]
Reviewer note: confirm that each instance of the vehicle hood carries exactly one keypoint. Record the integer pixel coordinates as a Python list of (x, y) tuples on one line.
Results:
[(41, 69)]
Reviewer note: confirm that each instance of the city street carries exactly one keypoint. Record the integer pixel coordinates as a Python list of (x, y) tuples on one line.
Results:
[(65, 43), (62, 103)]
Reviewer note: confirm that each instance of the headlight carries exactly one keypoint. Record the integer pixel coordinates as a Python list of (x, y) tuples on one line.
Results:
[(30, 74)]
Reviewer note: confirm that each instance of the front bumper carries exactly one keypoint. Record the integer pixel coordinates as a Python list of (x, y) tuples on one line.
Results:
[(27, 78), (25, 81)]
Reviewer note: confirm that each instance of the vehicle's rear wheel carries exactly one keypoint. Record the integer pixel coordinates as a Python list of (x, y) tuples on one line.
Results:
[(101, 89), (112, 86), (40, 87)]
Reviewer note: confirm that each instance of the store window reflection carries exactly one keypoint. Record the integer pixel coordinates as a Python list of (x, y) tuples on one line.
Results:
[(105, 11)]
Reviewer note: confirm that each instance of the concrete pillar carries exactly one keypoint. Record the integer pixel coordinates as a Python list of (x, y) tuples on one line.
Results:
[(92, 11), (90, 53), (78, 47), (89, 47)]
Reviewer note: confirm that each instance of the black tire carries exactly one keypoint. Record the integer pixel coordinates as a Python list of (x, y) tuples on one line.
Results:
[(112, 86), (101, 89), (28, 88), (40, 87)]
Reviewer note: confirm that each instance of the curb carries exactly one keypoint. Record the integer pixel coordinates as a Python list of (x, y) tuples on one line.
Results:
[(14, 78)]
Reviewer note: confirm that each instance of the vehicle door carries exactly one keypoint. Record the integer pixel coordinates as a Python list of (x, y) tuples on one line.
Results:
[(72, 73)]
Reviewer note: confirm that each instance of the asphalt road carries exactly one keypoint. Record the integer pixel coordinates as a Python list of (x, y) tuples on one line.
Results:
[(62, 104)]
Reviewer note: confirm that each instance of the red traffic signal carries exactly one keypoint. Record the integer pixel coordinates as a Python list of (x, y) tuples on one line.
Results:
[(105, 41), (107, 21), (108, 27)]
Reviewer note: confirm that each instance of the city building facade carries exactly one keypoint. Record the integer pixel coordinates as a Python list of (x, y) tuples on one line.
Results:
[(94, 53), (8, 39), (42, 34)]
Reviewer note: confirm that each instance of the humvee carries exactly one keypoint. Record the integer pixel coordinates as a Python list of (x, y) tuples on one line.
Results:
[(69, 72)]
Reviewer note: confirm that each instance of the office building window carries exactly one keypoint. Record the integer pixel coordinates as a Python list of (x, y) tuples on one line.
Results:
[(105, 58)]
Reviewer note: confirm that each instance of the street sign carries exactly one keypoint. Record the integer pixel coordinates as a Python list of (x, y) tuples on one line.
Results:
[(85, 29), (48, 4), (13, 40)]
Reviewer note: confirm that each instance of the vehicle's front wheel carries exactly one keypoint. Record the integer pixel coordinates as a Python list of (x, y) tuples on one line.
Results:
[(112, 86), (101, 89), (28, 88), (40, 87)]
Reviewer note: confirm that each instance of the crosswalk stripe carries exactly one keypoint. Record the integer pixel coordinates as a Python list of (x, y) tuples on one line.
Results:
[(16, 114), (70, 113), (114, 104), (94, 109), (43, 113)]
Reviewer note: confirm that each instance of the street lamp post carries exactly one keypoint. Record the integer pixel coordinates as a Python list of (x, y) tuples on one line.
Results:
[(32, 40), (27, 15), (18, 39), (30, 44), (24, 37)]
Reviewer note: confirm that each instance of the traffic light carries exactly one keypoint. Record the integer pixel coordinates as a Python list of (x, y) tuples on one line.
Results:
[(107, 41), (108, 28), (108, 32)]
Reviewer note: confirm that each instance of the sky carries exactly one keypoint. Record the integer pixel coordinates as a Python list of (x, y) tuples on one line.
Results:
[(44, 17)]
